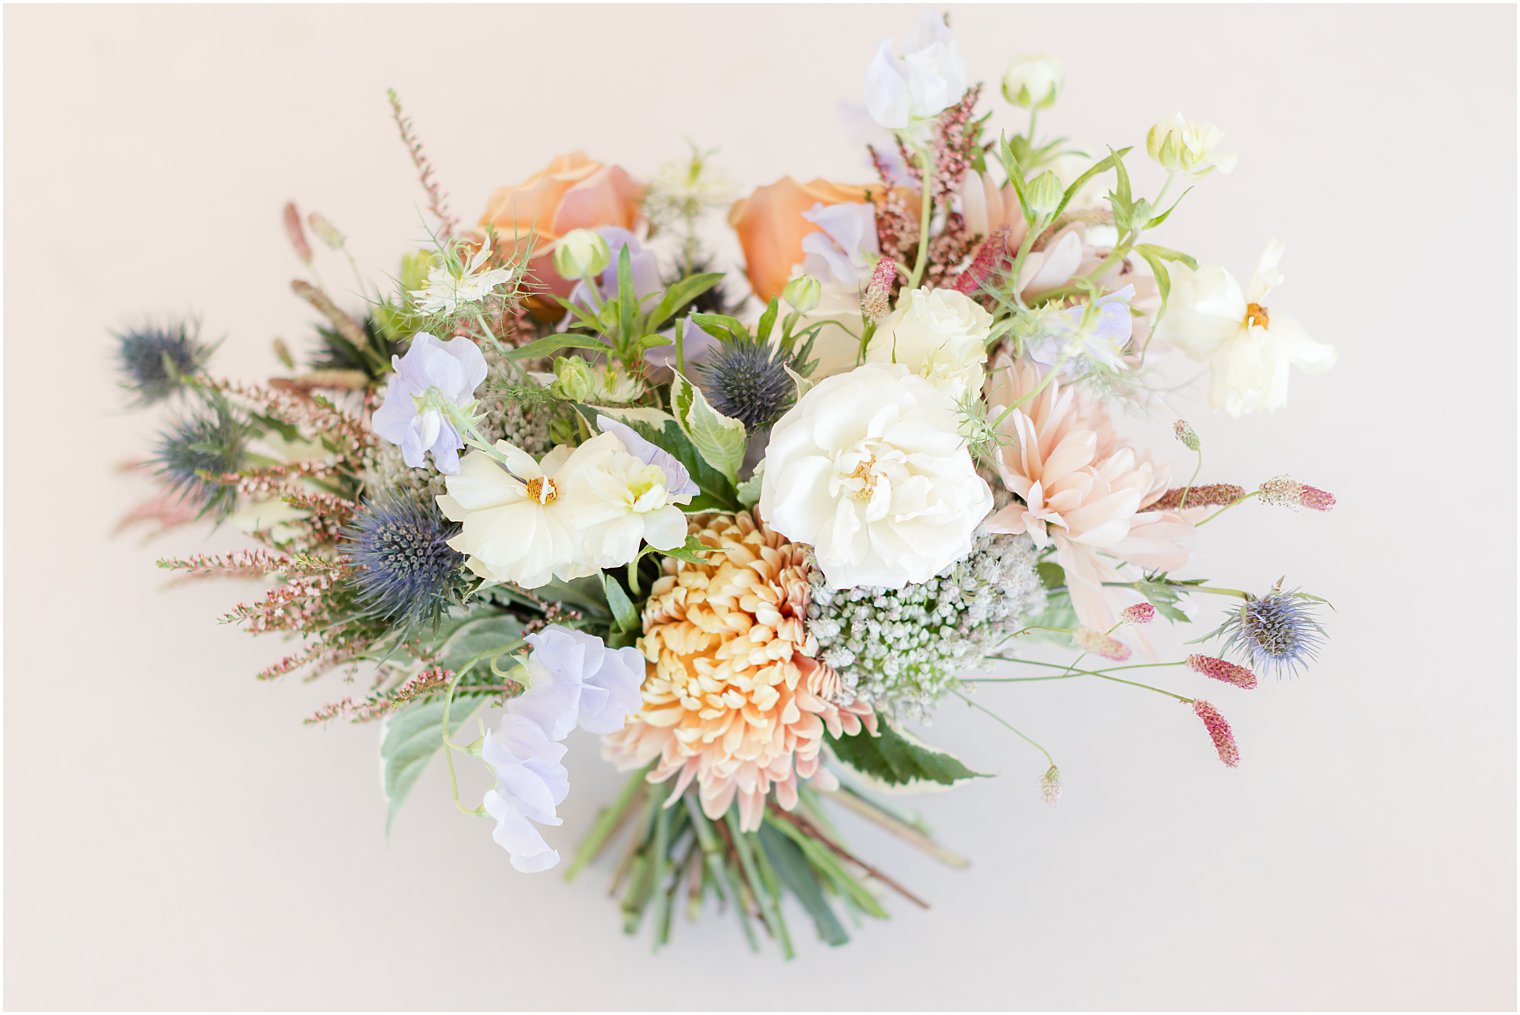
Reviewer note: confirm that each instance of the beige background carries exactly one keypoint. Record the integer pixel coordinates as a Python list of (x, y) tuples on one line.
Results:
[(175, 838)]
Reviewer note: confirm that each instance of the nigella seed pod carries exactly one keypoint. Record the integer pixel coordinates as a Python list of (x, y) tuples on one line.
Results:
[(405, 570)]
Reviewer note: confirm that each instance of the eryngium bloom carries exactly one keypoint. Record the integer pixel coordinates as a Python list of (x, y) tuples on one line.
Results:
[(155, 359), (406, 570), (747, 380), (1277, 633), (735, 696), (194, 453)]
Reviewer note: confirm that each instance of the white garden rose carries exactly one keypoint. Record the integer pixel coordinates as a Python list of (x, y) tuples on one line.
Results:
[(870, 468), (939, 334)]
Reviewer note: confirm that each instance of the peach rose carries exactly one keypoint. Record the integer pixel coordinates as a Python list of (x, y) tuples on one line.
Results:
[(572, 192), (771, 227)]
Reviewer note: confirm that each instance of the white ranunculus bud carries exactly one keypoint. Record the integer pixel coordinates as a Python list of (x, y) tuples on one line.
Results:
[(1179, 145), (803, 293), (581, 253), (905, 88), (1033, 82), (869, 467), (939, 334)]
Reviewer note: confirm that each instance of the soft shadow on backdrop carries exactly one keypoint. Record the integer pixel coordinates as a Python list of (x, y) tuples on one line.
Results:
[(175, 838)]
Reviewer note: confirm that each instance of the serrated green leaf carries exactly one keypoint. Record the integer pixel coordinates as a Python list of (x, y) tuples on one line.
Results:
[(898, 759), (693, 551), (409, 737), (720, 440)]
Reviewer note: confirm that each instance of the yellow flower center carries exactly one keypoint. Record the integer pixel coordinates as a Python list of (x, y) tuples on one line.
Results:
[(864, 472), (1257, 314), (541, 489)]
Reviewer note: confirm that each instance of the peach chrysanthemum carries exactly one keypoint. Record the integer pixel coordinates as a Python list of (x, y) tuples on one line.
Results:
[(735, 697), (1080, 489)]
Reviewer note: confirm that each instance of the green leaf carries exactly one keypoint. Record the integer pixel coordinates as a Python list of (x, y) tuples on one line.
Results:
[(796, 873), (409, 737), (1149, 250), (624, 616), (767, 319), (720, 440), (720, 326), (693, 551), (479, 641), (554, 343), (628, 303), (749, 490), (681, 294), (897, 759)]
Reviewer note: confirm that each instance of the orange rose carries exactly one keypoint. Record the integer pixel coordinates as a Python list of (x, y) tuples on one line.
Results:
[(572, 192), (771, 227)]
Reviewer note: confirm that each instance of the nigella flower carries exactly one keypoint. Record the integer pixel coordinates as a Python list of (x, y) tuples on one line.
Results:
[(192, 455), (1277, 633), (747, 380), (406, 569), (430, 373), (155, 359)]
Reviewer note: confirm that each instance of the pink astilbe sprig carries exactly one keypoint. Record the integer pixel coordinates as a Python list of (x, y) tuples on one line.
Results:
[(876, 302), (438, 202), (1099, 644), (896, 222), (1222, 669), (434, 678), (991, 261), (350, 710), (953, 145), (250, 563), (1219, 732), (1290, 493)]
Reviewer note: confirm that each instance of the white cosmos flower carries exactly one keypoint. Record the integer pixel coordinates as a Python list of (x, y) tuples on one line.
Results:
[(905, 89), (870, 468), (939, 334), (577, 511), (518, 525), (1248, 347), (445, 291)]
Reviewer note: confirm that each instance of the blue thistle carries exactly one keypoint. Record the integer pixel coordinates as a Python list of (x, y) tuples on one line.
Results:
[(1277, 633), (406, 571), (747, 380), (193, 452), (155, 359)]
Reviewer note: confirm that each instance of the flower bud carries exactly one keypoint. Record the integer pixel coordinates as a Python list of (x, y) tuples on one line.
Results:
[(573, 378), (803, 293), (414, 269), (1033, 82), (581, 253), (1044, 193), (1182, 146)]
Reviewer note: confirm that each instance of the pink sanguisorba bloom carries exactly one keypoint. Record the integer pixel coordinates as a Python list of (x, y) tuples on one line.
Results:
[(1082, 491)]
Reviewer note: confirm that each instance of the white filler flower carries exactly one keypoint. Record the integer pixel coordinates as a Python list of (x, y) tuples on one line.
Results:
[(939, 334), (870, 468), (1249, 348)]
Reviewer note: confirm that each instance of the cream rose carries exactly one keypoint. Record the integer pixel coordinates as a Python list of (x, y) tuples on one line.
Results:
[(870, 468), (939, 334)]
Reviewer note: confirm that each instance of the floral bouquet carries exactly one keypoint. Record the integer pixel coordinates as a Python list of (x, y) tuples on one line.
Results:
[(746, 528)]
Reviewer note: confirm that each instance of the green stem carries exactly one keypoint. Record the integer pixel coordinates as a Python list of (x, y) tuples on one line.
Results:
[(1100, 674), (1182, 501), (1006, 725), (1227, 507)]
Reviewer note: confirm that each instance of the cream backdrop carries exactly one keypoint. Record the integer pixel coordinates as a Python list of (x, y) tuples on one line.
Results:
[(174, 837)]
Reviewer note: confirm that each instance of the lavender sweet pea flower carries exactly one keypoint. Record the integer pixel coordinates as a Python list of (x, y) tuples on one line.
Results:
[(453, 369), (576, 680), (846, 248), (1064, 340), (530, 784), (678, 481)]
